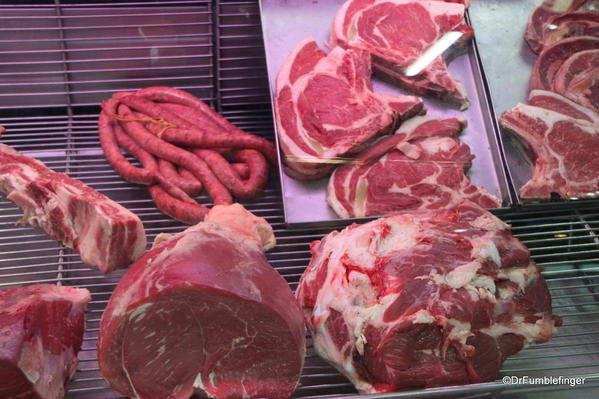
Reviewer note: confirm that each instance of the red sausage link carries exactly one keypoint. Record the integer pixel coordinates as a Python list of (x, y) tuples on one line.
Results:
[(179, 210), (192, 187)]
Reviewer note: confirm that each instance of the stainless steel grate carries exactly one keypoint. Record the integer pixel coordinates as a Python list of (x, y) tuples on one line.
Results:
[(59, 60)]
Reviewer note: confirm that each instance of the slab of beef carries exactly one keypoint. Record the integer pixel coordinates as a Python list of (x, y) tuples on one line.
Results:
[(41, 330), (326, 108), (396, 33), (549, 62), (422, 166), (578, 79), (104, 233), (204, 312), (563, 140), (423, 299), (544, 15)]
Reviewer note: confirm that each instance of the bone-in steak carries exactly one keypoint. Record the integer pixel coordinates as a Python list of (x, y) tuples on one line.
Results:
[(578, 79)]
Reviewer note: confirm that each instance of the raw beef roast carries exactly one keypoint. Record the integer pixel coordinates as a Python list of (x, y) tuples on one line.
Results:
[(103, 232), (41, 330), (326, 108), (578, 79), (563, 139), (204, 312), (420, 167), (423, 299), (550, 61), (396, 33)]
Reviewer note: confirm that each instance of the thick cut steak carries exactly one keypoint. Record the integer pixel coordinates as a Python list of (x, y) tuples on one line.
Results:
[(563, 143), (396, 33), (41, 330), (570, 25), (104, 233), (423, 299), (422, 166), (553, 57), (326, 108), (204, 312), (578, 79)]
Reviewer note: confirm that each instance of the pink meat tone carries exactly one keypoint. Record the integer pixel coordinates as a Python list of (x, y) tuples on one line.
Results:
[(570, 25), (204, 312), (578, 79), (326, 108), (422, 166), (563, 139), (104, 233), (41, 330), (396, 33), (424, 299)]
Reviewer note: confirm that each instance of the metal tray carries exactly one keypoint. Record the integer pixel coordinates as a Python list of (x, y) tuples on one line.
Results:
[(286, 22)]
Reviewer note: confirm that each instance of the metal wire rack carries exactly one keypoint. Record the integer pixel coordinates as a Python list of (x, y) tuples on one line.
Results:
[(59, 60)]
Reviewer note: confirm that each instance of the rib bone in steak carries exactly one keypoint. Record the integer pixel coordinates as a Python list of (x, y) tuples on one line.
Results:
[(103, 232), (420, 167), (326, 108), (423, 299), (203, 311), (563, 138), (41, 330), (397, 33), (578, 79)]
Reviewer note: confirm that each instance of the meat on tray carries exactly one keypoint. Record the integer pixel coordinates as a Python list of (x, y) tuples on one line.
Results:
[(578, 78), (203, 311), (397, 33), (104, 233), (41, 330), (422, 166), (326, 108), (424, 299), (563, 139)]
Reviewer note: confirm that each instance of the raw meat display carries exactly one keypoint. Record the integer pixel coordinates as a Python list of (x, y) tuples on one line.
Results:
[(204, 312), (326, 108), (578, 79), (424, 299), (196, 148), (563, 139), (550, 61), (422, 166), (42, 329), (396, 33), (104, 233), (570, 25)]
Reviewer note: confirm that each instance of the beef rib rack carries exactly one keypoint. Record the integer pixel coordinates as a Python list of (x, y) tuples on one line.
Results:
[(396, 33), (422, 166), (563, 140), (422, 299), (326, 108)]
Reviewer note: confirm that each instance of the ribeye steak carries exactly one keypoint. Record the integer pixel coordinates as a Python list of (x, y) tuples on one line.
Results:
[(41, 330), (423, 299), (396, 33), (578, 79), (422, 166), (326, 108)]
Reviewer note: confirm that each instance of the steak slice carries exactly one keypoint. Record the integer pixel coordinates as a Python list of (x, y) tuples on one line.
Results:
[(326, 108), (564, 148), (553, 57), (422, 166), (203, 311), (41, 330), (578, 79), (396, 33), (558, 103), (570, 25), (422, 299), (104, 233)]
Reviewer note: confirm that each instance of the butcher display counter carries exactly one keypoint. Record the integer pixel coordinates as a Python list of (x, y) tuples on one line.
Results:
[(61, 59)]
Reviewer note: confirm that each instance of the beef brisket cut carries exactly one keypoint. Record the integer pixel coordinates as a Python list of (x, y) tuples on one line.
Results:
[(104, 233), (204, 312), (326, 108), (398, 32), (422, 166), (578, 79), (41, 330), (553, 57), (422, 299), (563, 138)]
